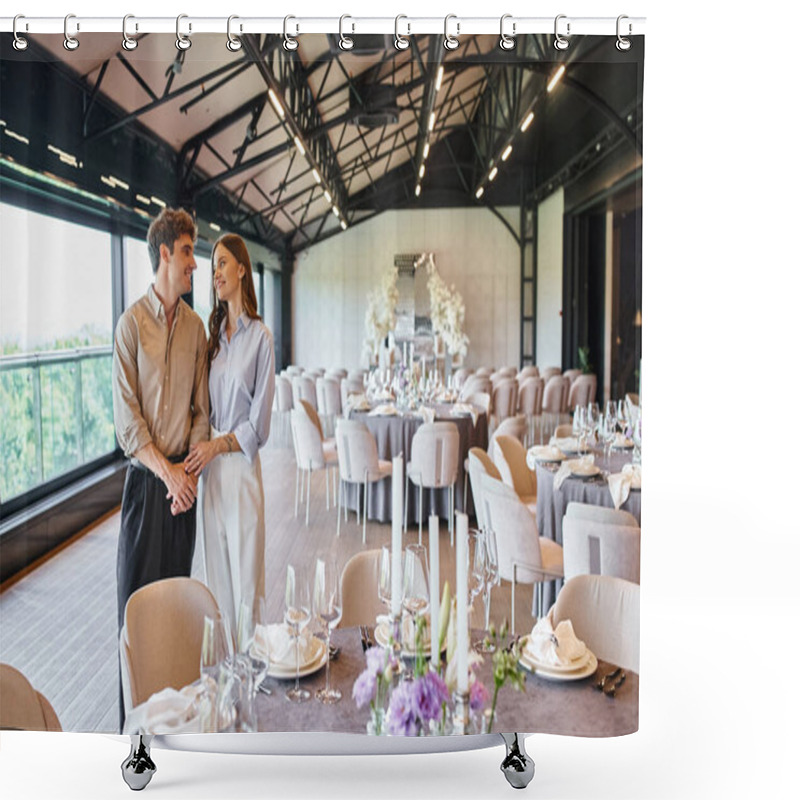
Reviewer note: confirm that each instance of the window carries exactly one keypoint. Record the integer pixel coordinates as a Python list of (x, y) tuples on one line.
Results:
[(202, 288), (138, 270)]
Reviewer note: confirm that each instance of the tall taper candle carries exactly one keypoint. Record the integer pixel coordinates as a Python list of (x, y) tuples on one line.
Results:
[(433, 543), (397, 535), (462, 600)]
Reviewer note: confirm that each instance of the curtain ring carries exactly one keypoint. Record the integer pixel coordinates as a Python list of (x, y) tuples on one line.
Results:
[(400, 42), (234, 43), (70, 42), (560, 42), (182, 42), (345, 42), (288, 42), (127, 42), (623, 44), (450, 42), (507, 42), (20, 42)]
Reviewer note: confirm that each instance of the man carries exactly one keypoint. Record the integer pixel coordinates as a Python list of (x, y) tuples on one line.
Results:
[(160, 384)]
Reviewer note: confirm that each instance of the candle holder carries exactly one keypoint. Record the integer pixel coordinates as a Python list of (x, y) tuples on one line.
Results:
[(460, 713)]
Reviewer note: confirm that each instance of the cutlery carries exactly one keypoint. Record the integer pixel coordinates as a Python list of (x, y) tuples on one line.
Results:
[(364, 641), (611, 676), (612, 691), (333, 652)]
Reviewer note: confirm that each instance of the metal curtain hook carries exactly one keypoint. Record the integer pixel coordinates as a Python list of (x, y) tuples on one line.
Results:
[(345, 42), (182, 42), (70, 42), (20, 42), (288, 42), (400, 42), (127, 42), (450, 42), (623, 43), (507, 42), (234, 43), (560, 42)]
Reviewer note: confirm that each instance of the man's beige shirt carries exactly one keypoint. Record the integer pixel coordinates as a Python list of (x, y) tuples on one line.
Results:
[(160, 378)]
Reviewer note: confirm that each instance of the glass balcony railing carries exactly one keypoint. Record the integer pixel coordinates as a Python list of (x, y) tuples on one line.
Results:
[(57, 415)]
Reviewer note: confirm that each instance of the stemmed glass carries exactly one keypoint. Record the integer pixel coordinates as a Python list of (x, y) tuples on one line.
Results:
[(593, 419), (385, 579), (610, 428), (579, 424), (416, 590), (492, 578), (297, 615), (253, 641), (476, 580), (622, 416), (216, 657), (327, 608)]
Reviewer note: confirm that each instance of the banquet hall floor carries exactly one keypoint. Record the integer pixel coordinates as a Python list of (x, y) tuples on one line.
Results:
[(58, 622)]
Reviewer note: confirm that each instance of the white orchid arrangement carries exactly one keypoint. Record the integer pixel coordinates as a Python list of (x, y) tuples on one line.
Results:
[(380, 318), (447, 310)]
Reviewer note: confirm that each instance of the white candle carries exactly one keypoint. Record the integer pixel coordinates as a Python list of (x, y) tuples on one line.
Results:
[(397, 535), (412, 354), (423, 369), (462, 601), (405, 354), (433, 542)]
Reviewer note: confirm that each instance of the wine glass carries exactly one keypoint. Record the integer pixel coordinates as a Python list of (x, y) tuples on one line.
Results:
[(622, 416), (491, 578), (593, 419), (476, 580), (327, 605), (385, 579), (416, 591), (253, 641), (579, 424), (216, 657), (610, 428), (297, 615)]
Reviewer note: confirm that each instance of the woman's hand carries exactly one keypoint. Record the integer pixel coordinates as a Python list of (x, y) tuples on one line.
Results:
[(200, 455)]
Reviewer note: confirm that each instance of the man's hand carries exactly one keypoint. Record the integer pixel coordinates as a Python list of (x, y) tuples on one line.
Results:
[(201, 454), (181, 486)]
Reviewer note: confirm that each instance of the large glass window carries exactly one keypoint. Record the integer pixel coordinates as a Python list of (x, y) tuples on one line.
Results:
[(202, 288), (55, 347), (138, 270)]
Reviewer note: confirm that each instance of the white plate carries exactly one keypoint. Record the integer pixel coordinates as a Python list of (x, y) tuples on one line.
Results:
[(628, 445), (547, 672), (382, 638), (578, 663), (549, 459), (317, 661), (584, 472)]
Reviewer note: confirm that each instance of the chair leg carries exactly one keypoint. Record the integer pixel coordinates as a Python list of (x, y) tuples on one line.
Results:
[(513, 606), (419, 517), (366, 508), (405, 509), (308, 492), (296, 486), (327, 491), (358, 505), (466, 492), (339, 517)]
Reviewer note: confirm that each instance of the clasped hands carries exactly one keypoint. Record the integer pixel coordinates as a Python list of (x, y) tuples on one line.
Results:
[(184, 492)]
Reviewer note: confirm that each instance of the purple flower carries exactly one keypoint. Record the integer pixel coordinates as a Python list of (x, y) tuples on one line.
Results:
[(364, 687), (403, 711), (431, 692), (376, 660), (478, 696)]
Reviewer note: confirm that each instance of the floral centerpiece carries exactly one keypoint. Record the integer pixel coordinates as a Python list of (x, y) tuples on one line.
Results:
[(380, 317), (374, 684), (447, 311)]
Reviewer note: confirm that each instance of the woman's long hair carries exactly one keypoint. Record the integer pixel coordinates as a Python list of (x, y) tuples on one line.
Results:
[(219, 310)]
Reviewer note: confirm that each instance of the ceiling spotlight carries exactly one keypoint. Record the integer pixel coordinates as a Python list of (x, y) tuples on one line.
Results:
[(527, 123), (479, 193), (316, 176), (343, 225), (506, 153), (299, 145), (426, 150), (493, 173), (555, 79), (432, 120), (417, 190), (276, 104), (327, 195), (421, 171), (335, 211), (439, 76)]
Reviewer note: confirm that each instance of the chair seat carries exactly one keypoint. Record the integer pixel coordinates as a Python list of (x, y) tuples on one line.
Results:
[(552, 555), (415, 478), (384, 470), (529, 500), (328, 446)]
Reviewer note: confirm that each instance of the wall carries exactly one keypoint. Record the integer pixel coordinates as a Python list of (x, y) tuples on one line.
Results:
[(473, 250), (550, 269)]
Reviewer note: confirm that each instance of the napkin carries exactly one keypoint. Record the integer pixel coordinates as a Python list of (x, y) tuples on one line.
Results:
[(621, 483), (557, 648), (357, 402), (282, 645), (384, 410), (167, 711), (565, 470), (621, 440), (568, 444), (547, 452), (427, 414), (466, 408)]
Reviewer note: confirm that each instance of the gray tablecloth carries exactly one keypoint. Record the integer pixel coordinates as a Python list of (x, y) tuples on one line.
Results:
[(551, 504), (574, 709), (393, 435)]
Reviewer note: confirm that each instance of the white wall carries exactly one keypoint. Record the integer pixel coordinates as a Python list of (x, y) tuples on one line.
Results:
[(473, 250), (550, 261)]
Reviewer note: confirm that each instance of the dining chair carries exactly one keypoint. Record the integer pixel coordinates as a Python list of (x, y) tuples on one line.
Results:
[(479, 464), (358, 463), (531, 394), (516, 426), (461, 374), (571, 374), (604, 612), (563, 431), (582, 391), (530, 371), (509, 456), (360, 602), (522, 555), (504, 400), (554, 399), (549, 372), (350, 386), (304, 388), (293, 370), (602, 514), (484, 372), (162, 636), (329, 402), (22, 708), (597, 548), (337, 373), (433, 465), (475, 384), (632, 398), (357, 375), (313, 452), (479, 400), (284, 403), (507, 372)]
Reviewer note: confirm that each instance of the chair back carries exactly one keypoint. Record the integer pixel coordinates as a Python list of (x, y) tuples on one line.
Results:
[(303, 388), (531, 394), (480, 400), (476, 383), (601, 514), (527, 372), (509, 455), (283, 394), (571, 374), (483, 372), (594, 548), (329, 398), (435, 452), (338, 373), (582, 391), (507, 372), (555, 392), (307, 437), (22, 708), (605, 614), (514, 528), (461, 374), (479, 465), (516, 426), (350, 386), (357, 375), (360, 603), (504, 398), (549, 372), (166, 654), (357, 449), (563, 431), (293, 370)]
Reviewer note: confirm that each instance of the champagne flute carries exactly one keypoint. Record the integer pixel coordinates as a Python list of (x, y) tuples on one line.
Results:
[(253, 641), (593, 418), (297, 615), (610, 429), (416, 591), (216, 655), (579, 424), (327, 608), (476, 581), (491, 578), (385, 579)]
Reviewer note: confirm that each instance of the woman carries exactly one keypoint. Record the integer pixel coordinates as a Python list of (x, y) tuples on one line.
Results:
[(241, 384)]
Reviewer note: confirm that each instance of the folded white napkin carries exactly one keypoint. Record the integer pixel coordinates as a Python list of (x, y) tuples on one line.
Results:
[(546, 452), (566, 468), (428, 414), (559, 647), (281, 643), (568, 444), (384, 410), (447, 396), (621, 483), (357, 402), (621, 440), (167, 711), (466, 408)]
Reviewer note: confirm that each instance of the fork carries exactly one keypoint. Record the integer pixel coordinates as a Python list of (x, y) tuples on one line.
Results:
[(612, 692), (601, 684)]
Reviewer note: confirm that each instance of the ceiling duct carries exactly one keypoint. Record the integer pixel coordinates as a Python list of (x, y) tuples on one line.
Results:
[(375, 105)]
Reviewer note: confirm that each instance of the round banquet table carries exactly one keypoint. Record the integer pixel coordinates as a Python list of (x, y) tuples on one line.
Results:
[(393, 435), (551, 503)]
